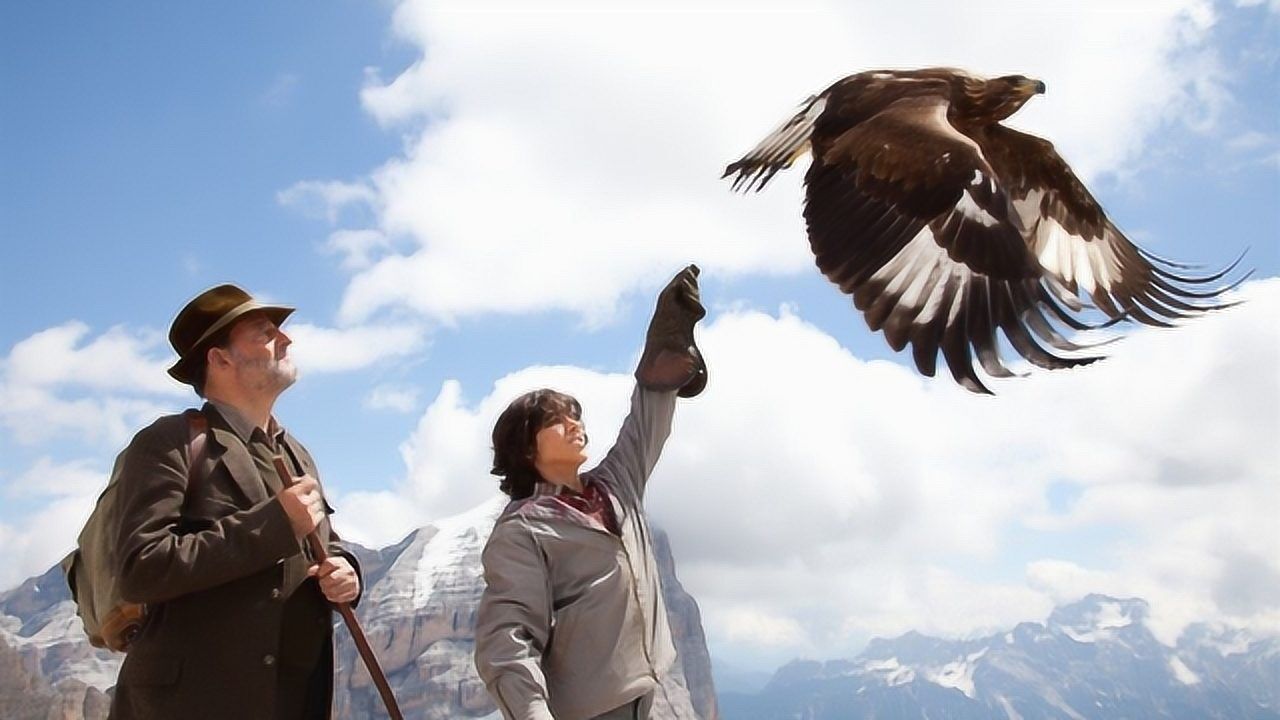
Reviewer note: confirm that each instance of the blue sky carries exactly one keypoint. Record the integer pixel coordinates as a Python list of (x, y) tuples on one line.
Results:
[(466, 201)]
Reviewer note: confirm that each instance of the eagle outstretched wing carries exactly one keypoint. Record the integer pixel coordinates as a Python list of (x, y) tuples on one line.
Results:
[(1078, 246)]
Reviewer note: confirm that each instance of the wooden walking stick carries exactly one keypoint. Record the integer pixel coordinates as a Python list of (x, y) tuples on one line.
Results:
[(319, 554)]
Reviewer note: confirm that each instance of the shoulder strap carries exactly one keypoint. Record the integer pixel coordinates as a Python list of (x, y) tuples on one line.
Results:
[(198, 427)]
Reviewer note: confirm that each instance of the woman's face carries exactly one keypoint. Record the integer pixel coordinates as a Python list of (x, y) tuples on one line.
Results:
[(563, 441)]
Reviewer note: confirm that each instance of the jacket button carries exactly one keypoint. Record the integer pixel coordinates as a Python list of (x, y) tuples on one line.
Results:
[(275, 593), (268, 660)]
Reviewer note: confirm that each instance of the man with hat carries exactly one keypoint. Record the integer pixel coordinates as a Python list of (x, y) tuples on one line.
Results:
[(238, 622)]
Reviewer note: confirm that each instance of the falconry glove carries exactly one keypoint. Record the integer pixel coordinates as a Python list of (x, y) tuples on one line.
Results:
[(671, 359)]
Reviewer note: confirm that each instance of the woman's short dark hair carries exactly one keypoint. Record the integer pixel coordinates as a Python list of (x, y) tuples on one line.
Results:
[(515, 437)]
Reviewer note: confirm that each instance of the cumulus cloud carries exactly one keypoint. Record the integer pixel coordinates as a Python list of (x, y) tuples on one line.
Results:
[(61, 381), (325, 199), (358, 248), (65, 381), (47, 478), (341, 349), (554, 160), (118, 359), (837, 498), (66, 492), (400, 398)]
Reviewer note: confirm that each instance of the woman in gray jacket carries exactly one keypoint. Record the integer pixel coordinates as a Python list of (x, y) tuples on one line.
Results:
[(572, 624)]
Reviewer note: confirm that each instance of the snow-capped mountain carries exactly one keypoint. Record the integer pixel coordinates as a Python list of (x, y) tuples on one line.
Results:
[(418, 612), (1092, 659)]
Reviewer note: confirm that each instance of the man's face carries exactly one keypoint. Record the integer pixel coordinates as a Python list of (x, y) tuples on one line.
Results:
[(258, 352), (563, 440)]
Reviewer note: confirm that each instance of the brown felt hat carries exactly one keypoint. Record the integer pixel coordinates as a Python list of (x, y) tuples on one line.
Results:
[(200, 321)]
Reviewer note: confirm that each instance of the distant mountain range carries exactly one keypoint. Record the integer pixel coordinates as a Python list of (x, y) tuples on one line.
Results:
[(1092, 659)]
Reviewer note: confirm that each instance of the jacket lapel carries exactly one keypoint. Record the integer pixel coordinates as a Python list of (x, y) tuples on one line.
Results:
[(295, 454), (306, 465), (235, 458)]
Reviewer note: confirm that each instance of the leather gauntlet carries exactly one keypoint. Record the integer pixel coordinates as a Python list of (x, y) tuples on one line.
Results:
[(671, 359)]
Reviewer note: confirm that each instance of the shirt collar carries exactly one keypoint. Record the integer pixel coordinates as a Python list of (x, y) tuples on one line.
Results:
[(242, 426), (542, 488)]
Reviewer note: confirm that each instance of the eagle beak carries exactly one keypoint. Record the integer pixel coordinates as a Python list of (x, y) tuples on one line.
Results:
[(1039, 87)]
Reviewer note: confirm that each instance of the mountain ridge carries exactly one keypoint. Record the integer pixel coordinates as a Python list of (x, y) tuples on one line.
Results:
[(1091, 658)]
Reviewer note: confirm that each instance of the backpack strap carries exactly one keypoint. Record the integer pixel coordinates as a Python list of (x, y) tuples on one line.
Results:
[(198, 428)]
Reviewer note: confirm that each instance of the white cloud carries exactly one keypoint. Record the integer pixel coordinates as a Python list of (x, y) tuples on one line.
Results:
[(325, 199), (357, 247), (556, 160), (40, 539), (849, 498), (47, 478), (325, 350), (63, 381), (118, 359), (393, 397), (375, 519), (59, 382), (752, 627)]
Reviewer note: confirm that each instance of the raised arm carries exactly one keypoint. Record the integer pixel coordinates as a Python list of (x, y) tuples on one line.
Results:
[(640, 441), (513, 623), (670, 365)]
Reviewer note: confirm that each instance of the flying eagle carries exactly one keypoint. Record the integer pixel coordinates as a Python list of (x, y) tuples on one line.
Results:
[(946, 226)]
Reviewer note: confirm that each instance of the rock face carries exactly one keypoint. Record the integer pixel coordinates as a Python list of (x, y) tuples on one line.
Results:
[(418, 612), (419, 617), (48, 669), (1092, 659)]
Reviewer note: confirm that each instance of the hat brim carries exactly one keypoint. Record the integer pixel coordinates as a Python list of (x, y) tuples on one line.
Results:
[(184, 370)]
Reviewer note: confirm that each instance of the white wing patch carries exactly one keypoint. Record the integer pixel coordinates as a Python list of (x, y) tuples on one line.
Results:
[(1070, 258), (919, 260)]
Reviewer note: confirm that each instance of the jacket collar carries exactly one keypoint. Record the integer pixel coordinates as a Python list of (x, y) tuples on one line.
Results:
[(229, 448), (242, 426), (539, 505)]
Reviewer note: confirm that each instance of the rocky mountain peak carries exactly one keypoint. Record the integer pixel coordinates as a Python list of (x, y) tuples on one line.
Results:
[(1097, 617)]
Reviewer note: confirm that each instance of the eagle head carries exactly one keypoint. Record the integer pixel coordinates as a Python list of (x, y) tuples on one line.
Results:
[(1003, 96), (1021, 85)]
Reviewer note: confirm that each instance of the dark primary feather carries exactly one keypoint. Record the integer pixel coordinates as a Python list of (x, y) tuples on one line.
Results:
[(950, 230)]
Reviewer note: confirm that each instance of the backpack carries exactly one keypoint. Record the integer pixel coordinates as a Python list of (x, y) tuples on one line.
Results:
[(91, 568)]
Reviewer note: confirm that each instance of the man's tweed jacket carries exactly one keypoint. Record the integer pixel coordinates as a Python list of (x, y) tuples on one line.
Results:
[(215, 577)]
